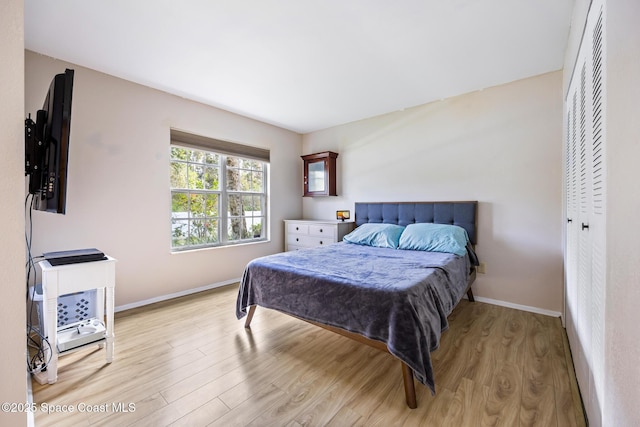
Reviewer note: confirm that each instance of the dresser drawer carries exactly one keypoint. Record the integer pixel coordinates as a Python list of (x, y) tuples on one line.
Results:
[(297, 228), (295, 247), (308, 241), (323, 230)]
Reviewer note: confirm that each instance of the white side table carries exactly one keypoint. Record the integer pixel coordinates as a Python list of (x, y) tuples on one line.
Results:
[(66, 279), (309, 233)]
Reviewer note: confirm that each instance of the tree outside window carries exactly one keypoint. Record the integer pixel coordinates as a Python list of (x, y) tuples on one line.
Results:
[(216, 199)]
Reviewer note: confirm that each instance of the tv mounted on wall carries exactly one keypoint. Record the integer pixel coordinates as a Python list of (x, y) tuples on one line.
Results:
[(47, 146)]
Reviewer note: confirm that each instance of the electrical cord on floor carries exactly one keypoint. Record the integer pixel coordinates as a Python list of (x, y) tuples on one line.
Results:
[(36, 359)]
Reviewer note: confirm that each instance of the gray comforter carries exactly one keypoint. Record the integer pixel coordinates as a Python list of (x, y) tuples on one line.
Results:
[(399, 297)]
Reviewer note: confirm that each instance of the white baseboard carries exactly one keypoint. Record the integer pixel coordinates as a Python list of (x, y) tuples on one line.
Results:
[(518, 306), (31, 420), (174, 295)]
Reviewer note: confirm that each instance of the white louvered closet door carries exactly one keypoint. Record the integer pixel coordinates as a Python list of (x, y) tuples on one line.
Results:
[(585, 191), (571, 234), (597, 218)]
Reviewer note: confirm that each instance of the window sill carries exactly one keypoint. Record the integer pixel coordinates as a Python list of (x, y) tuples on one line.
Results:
[(228, 245)]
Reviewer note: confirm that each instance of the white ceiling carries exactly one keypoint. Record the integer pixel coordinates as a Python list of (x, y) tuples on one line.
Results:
[(306, 65)]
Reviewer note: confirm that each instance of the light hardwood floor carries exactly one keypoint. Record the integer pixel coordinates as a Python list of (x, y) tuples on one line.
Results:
[(190, 362)]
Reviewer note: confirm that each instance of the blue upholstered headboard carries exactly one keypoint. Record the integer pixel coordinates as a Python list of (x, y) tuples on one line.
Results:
[(463, 214)]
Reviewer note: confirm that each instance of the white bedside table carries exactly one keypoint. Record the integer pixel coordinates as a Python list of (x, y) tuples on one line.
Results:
[(66, 279), (307, 233)]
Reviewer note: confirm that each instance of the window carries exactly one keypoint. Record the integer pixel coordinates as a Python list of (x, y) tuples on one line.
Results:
[(217, 198)]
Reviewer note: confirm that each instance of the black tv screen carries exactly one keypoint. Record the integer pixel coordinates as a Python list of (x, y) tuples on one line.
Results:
[(47, 146)]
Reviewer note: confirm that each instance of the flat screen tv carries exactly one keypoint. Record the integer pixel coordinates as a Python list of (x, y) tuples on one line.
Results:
[(47, 146)]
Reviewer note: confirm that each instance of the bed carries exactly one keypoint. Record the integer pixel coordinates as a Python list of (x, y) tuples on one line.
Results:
[(386, 285)]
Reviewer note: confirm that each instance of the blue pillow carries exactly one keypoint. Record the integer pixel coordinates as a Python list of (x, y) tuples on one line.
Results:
[(378, 235), (435, 238)]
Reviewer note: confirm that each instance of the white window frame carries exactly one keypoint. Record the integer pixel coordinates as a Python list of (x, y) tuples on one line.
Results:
[(224, 219)]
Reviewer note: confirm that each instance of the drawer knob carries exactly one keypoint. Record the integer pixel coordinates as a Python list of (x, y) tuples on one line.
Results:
[(320, 241), (297, 240), (321, 230), (297, 229)]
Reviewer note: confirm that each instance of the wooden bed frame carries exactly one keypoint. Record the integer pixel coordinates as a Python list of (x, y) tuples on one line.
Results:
[(407, 372)]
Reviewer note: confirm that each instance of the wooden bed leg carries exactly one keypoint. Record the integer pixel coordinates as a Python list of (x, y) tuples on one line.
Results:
[(247, 323), (409, 386), (470, 296), (472, 278)]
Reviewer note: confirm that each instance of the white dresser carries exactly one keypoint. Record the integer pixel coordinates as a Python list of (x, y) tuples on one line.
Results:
[(307, 233)]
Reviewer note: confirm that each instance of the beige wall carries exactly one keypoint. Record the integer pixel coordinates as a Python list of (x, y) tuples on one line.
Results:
[(501, 146), (13, 374), (118, 192)]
